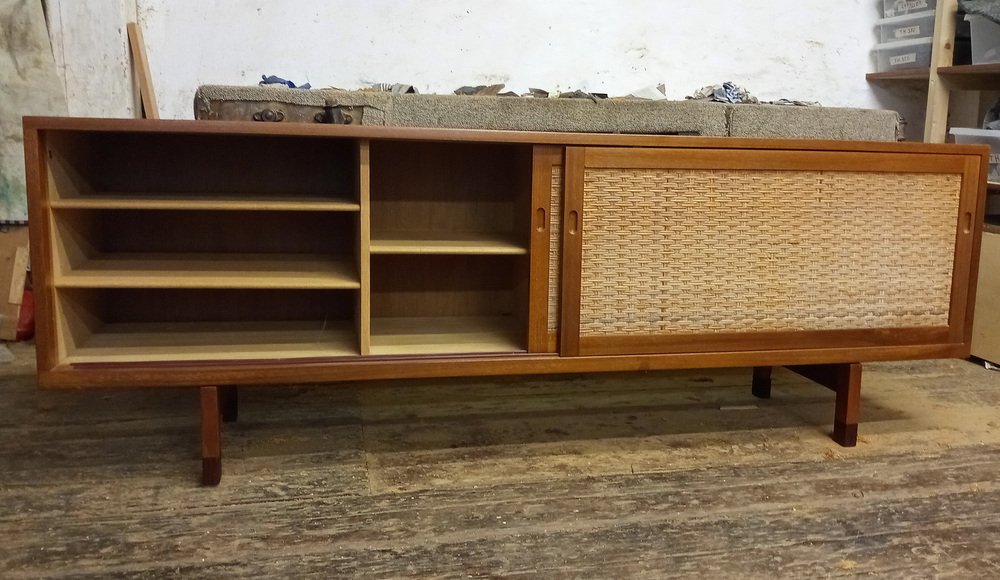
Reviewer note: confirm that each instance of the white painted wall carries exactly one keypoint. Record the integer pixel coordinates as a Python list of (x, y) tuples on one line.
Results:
[(809, 50)]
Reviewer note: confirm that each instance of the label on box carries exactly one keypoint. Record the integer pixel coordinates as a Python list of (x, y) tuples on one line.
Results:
[(994, 158), (908, 31), (903, 59), (905, 7)]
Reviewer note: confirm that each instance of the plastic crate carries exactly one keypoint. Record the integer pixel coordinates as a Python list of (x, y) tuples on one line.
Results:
[(984, 136), (892, 8), (907, 27), (906, 54), (985, 39)]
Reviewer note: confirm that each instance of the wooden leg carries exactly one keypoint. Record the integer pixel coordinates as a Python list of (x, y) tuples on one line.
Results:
[(229, 401), (211, 437), (762, 382), (845, 380)]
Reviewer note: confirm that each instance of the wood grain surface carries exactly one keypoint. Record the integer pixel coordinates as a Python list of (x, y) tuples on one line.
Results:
[(665, 474)]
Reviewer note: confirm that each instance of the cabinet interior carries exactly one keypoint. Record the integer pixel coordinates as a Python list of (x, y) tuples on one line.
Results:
[(170, 324), (188, 247)]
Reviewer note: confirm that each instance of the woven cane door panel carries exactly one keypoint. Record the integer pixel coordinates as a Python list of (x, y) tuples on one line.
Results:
[(675, 252), (555, 245)]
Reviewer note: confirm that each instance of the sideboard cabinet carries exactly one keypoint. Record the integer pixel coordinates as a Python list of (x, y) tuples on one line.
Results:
[(220, 254)]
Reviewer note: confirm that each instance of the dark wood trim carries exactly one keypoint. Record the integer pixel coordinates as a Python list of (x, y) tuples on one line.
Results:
[(464, 135), (374, 368), (761, 385), (916, 74), (37, 184), (572, 252), (543, 159), (968, 246), (760, 160), (710, 342), (845, 380), (211, 437), (971, 76)]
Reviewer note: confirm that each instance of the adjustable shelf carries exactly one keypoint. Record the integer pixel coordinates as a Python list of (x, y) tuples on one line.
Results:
[(455, 243), (159, 270), (209, 201)]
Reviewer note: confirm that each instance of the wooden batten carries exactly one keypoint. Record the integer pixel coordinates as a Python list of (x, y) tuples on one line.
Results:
[(364, 231)]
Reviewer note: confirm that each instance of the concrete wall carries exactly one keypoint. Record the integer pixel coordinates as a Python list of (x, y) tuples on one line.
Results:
[(809, 50)]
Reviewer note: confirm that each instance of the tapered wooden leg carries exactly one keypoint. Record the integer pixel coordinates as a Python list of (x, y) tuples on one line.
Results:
[(229, 401), (761, 386), (845, 380), (211, 437), (845, 424)]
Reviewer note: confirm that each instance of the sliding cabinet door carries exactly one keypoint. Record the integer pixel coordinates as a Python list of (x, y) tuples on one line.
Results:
[(698, 250)]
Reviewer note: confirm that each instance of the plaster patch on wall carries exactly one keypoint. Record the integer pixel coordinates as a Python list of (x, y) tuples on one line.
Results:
[(30, 87)]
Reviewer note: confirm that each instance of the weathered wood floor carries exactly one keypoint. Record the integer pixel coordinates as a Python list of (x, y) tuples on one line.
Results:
[(648, 475)]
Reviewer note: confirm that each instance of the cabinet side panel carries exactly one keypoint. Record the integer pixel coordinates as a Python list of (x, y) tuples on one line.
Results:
[(695, 251), (41, 250), (364, 244)]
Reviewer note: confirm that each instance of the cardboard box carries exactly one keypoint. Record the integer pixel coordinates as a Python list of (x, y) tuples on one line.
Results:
[(13, 270)]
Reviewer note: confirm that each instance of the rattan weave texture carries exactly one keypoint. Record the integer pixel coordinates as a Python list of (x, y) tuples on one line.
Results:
[(555, 247), (714, 251)]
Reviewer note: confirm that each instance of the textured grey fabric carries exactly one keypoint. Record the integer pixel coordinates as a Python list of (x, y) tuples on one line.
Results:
[(987, 8), (578, 115), (814, 123)]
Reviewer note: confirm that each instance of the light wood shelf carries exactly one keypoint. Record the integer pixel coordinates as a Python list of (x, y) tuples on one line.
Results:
[(208, 201), (445, 335), (156, 270), (200, 341), (417, 242)]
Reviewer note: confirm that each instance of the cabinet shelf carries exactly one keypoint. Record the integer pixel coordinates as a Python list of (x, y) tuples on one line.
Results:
[(216, 341), (181, 270), (416, 242), (445, 335), (208, 201)]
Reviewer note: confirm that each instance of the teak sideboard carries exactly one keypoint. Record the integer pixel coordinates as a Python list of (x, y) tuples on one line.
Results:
[(219, 254)]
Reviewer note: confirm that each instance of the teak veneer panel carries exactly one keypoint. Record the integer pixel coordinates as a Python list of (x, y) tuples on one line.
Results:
[(105, 187)]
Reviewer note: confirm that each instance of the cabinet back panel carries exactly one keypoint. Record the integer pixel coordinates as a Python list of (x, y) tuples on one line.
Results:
[(216, 231), (172, 305), (457, 187), (410, 286), (172, 163)]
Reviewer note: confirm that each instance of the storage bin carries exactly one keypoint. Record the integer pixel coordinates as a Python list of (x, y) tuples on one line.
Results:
[(906, 54), (892, 8), (985, 136), (985, 39), (907, 27)]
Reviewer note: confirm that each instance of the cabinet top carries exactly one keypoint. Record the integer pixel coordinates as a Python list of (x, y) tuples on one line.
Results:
[(249, 128)]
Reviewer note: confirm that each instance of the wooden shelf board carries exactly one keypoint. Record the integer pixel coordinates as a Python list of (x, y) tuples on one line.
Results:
[(916, 74), (136, 270), (972, 76), (417, 242), (204, 341), (444, 335), (993, 186), (217, 201)]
